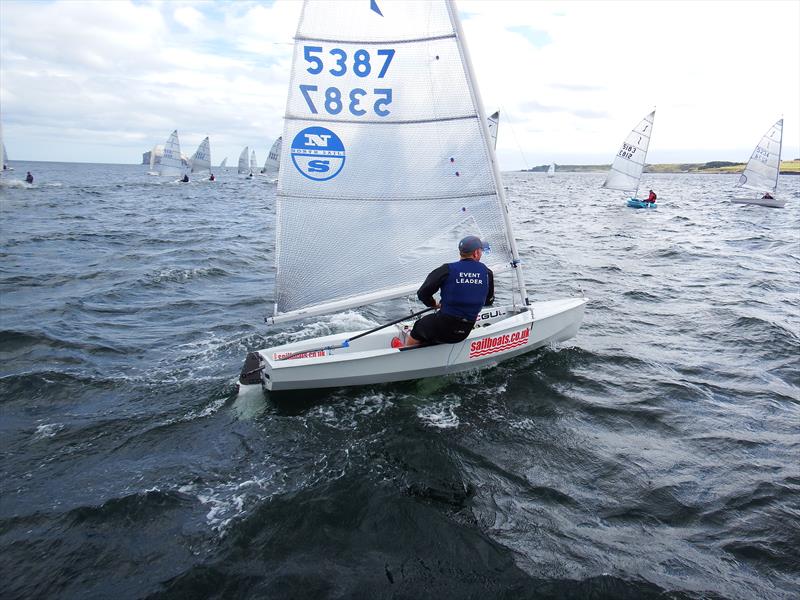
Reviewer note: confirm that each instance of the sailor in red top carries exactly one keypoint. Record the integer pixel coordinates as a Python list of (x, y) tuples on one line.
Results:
[(652, 197)]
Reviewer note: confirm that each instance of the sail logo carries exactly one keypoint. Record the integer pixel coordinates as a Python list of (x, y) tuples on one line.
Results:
[(318, 153), (499, 343)]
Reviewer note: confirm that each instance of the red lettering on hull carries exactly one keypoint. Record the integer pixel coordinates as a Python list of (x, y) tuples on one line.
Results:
[(288, 355), (500, 343)]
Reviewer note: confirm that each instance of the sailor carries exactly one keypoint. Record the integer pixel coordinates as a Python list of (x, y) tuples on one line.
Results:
[(185, 178), (29, 177), (767, 196), (466, 287), (212, 178), (652, 197)]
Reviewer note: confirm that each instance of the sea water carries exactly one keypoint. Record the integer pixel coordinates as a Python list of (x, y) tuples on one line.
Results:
[(655, 453)]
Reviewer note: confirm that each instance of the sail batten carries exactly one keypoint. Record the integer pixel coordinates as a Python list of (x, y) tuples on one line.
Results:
[(378, 122), (363, 209), (374, 42)]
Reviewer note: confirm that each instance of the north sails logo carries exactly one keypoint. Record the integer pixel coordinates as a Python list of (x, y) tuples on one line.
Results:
[(318, 153), (500, 343)]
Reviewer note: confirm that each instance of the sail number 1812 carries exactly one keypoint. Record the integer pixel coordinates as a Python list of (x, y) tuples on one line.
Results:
[(357, 101)]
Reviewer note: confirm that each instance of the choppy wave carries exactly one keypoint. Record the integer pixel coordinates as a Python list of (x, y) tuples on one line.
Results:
[(652, 456)]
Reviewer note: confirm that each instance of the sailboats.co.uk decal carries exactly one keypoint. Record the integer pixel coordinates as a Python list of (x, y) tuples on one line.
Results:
[(318, 153), (500, 343)]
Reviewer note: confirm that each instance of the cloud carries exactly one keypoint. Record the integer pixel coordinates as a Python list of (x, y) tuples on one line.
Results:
[(105, 81)]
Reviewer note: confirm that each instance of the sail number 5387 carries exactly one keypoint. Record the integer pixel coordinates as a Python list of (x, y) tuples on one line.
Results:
[(361, 62), (334, 101), (337, 62)]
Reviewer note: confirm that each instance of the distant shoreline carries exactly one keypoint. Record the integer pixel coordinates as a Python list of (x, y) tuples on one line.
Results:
[(788, 167)]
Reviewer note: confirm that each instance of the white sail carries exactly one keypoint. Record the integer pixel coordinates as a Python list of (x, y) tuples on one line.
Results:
[(629, 162), (388, 160), (761, 172), (244, 166), (253, 162), (223, 163), (273, 162), (551, 170), (171, 163), (494, 125), (201, 159), (153, 161), (3, 156)]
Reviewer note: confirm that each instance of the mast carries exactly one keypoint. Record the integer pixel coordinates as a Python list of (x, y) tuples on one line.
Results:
[(476, 98), (780, 149)]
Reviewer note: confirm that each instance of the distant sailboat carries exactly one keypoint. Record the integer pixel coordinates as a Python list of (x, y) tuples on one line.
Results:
[(4, 153), (155, 159), (763, 168), (223, 163), (201, 159), (273, 162), (253, 162), (244, 166), (626, 172), (551, 170), (494, 125), (171, 164)]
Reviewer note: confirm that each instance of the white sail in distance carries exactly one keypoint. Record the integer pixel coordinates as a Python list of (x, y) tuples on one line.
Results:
[(387, 161), (626, 171), (171, 163), (223, 163), (273, 162), (244, 166), (201, 159), (155, 156), (551, 170), (763, 168), (494, 125), (253, 162)]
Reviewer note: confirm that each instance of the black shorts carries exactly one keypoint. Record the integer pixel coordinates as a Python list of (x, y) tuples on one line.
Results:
[(439, 328)]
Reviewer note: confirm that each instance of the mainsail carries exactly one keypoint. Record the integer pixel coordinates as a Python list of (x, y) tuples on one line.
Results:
[(171, 163), (629, 162), (253, 162), (3, 155), (273, 162), (388, 160), (761, 172), (155, 156), (244, 166), (201, 159), (223, 163), (551, 170), (494, 124)]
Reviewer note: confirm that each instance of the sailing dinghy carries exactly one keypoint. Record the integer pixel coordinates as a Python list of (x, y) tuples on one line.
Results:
[(388, 163), (273, 163), (171, 164), (551, 170), (244, 166), (494, 125), (626, 171), (763, 168), (201, 159)]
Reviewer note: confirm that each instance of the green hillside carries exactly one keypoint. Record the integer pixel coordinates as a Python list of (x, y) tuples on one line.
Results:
[(788, 167)]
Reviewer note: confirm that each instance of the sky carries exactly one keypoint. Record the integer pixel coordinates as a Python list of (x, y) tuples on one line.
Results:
[(106, 81)]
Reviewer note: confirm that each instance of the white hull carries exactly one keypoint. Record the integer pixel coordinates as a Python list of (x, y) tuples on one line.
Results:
[(371, 359), (773, 203)]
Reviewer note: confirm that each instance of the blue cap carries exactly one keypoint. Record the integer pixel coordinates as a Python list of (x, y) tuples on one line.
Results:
[(470, 243)]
